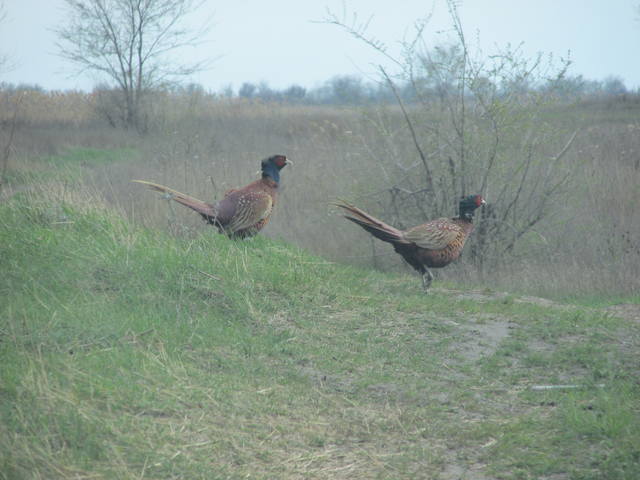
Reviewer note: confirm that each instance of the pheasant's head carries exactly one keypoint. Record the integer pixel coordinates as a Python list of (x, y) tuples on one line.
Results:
[(469, 204), (271, 166)]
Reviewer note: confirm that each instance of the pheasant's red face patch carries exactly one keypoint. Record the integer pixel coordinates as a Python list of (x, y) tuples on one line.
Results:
[(479, 201), (281, 161)]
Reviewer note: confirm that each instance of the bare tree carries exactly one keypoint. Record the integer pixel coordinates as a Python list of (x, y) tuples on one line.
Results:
[(130, 42), (475, 126)]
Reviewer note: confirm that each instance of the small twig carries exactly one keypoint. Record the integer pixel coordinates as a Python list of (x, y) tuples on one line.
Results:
[(566, 147), (208, 275), (564, 387), (133, 337)]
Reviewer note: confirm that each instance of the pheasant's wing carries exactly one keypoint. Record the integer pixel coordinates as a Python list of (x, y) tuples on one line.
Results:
[(244, 209), (433, 235)]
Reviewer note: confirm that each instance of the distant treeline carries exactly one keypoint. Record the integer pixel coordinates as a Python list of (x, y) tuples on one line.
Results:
[(354, 90)]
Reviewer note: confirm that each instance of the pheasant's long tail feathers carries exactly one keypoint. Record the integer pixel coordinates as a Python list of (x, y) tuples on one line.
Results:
[(375, 227), (205, 209)]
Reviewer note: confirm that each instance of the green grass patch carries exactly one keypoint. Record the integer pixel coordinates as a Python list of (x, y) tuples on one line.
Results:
[(69, 166), (129, 352), (88, 157)]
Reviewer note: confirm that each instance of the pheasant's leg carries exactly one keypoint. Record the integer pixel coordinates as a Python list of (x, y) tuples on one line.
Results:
[(427, 277)]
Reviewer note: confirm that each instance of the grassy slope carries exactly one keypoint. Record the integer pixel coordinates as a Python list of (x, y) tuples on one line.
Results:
[(130, 353)]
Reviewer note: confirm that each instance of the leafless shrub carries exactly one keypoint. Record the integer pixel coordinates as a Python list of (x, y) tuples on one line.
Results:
[(475, 125)]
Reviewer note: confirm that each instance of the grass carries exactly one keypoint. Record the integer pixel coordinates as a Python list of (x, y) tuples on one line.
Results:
[(69, 166), (128, 352), (205, 146)]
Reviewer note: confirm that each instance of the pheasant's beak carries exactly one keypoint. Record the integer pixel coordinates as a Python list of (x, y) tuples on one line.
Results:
[(483, 202), (288, 162)]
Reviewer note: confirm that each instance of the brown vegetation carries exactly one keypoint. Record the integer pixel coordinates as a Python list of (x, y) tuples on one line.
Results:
[(199, 143)]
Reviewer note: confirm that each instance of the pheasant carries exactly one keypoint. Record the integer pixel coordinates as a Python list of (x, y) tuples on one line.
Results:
[(434, 244), (243, 212)]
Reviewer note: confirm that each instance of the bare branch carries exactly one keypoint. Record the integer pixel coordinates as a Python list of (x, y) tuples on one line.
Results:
[(359, 31), (480, 117), (425, 163), (8, 144)]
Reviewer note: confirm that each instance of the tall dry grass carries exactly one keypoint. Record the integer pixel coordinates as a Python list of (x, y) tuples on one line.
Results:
[(202, 146)]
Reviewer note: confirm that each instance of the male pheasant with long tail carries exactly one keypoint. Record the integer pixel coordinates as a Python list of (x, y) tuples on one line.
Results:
[(434, 244), (242, 212)]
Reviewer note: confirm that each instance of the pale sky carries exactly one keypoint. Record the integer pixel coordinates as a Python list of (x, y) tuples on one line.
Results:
[(277, 41)]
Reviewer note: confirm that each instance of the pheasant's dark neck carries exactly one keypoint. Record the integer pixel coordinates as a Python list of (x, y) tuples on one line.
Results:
[(271, 175), (467, 212)]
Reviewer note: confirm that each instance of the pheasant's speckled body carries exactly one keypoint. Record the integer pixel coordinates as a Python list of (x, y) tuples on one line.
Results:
[(243, 212), (434, 244)]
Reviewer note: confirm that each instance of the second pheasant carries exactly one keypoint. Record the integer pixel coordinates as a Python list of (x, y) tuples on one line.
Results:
[(434, 244)]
